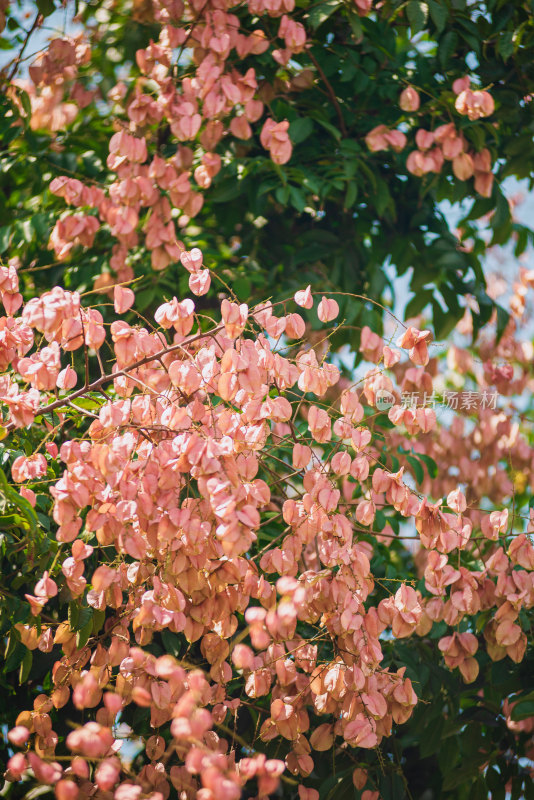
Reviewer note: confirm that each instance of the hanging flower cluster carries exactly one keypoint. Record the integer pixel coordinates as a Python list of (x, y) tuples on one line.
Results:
[(233, 493), (216, 100), (444, 143)]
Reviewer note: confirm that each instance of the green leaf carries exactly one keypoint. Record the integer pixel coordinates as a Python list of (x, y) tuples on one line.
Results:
[(171, 642), (84, 633), (392, 787), (266, 186), (73, 614), (300, 129), (479, 790), (503, 318), (505, 45), (88, 403), (46, 7), (298, 198), (39, 223), (227, 190), (417, 468), (460, 776), (356, 26), (502, 211), (20, 503), (319, 13), (16, 654), (418, 302), (383, 197), (242, 287), (79, 617), (447, 46), (336, 133), (343, 790), (99, 617), (282, 195), (439, 13), (5, 235), (431, 465), (486, 306), (522, 710), (495, 784), (335, 785), (431, 738), (26, 104), (443, 322), (25, 230), (528, 790), (448, 753), (351, 194), (417, 13), (26, 666), (527, 696)]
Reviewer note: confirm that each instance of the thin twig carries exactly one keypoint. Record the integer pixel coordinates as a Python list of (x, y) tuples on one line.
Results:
[(23, 48), (96, 385), (330, 92)]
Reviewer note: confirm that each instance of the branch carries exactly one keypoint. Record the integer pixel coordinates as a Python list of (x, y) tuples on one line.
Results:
[(330, 92), (23, 48), (96, 385)]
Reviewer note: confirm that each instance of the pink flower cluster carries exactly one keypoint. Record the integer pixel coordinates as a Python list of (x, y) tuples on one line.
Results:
[(275, 138), (54, 93), (445, 143), (382, 138), (170, 486), (475, 104), (215, 101)]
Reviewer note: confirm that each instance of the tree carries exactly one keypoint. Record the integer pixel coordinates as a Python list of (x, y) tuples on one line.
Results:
[(207, 519)]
